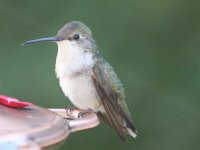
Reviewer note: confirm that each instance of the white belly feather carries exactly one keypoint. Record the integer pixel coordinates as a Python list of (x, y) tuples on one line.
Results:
[(80, 91), (73, 67)]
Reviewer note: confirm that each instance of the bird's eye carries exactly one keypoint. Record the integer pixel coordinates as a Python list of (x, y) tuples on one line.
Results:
[(76, 36)]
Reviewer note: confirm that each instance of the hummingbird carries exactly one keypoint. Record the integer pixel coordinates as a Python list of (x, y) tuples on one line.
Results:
[(88, 80)]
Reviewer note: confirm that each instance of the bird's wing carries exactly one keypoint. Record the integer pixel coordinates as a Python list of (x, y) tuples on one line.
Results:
[(111, 93)]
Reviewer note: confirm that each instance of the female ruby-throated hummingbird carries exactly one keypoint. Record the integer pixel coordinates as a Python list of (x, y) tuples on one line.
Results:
[(88, 80)]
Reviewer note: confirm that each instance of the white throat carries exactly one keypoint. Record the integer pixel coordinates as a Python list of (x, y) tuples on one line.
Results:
[(72, 59)]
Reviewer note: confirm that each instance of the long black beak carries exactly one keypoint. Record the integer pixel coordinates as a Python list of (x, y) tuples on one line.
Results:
[(54, 39)]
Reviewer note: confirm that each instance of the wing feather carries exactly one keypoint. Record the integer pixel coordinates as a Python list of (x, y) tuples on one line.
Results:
[(111, 93)]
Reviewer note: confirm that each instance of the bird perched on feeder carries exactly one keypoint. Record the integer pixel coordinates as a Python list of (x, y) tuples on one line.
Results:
[(88, 80)]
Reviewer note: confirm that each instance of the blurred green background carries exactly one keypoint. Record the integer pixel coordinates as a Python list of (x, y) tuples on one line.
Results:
[(153, 46)]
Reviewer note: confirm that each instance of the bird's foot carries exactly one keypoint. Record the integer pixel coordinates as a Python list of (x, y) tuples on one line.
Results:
[(70, 108), (74, 112), (71, 111), (83, 113)]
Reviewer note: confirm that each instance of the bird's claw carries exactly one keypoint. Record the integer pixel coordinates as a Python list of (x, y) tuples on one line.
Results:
[(69, 109), (83, 113)]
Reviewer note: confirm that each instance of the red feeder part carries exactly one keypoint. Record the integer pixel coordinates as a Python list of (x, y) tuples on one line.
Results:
[(13, 102)]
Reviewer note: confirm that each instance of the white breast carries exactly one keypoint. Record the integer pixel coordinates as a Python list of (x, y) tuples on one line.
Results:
[(73, 67), (72, 59)]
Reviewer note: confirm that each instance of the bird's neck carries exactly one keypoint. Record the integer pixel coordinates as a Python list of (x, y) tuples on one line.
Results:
[(72, 59)]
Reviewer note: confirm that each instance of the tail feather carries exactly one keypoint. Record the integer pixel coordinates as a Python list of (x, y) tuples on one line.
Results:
[(131, 133), (120, 123), (128, 124)]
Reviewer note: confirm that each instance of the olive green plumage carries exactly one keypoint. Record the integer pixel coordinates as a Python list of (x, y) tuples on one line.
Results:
[(111, 92)]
